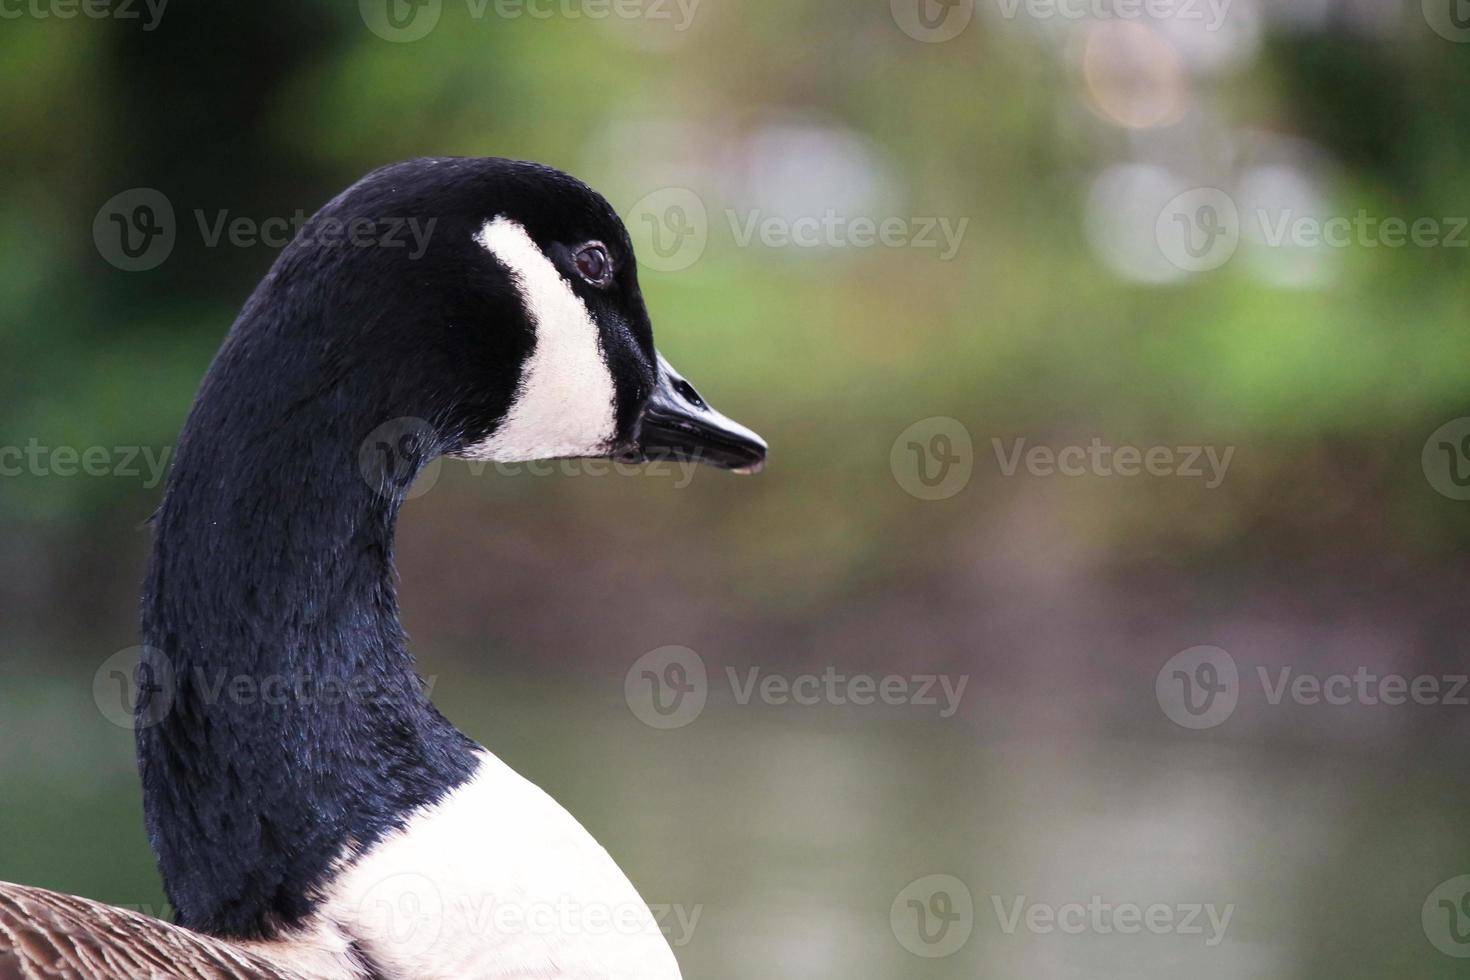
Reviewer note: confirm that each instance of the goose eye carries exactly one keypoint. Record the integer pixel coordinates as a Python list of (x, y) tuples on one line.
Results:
[(594, 264), (687, 392)]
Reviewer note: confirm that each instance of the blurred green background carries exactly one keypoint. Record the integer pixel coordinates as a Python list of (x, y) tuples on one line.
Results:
[(1334, 542)]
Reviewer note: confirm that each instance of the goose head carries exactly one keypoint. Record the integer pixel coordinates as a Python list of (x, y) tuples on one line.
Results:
[(505, 313)]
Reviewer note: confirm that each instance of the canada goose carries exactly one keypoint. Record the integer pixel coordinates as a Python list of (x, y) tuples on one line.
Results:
[(363, 836)]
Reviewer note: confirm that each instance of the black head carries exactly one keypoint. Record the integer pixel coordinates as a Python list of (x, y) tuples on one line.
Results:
[(499, 302)]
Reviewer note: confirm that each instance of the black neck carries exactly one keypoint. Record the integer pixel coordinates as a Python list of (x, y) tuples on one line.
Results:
[(292, 724)]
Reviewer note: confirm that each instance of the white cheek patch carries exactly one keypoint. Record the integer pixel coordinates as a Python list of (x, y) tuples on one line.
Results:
[(564, 405)]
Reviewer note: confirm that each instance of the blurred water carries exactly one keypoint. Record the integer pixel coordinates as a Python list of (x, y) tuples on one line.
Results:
[(781, 839)]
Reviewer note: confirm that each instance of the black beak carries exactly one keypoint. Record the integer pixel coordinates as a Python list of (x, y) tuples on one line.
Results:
[(677, 424)]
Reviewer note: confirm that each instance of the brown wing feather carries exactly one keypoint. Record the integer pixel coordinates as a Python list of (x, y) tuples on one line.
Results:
[(48, 936)]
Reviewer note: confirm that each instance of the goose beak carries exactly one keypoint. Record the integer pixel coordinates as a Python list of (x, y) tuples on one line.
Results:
[(678, 424)]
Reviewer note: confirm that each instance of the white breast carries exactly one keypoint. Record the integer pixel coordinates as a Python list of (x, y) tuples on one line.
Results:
[(497, 882), (564, 405)]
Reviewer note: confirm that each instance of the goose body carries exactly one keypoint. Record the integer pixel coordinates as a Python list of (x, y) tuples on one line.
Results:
[(344, 828), (45, 935)]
